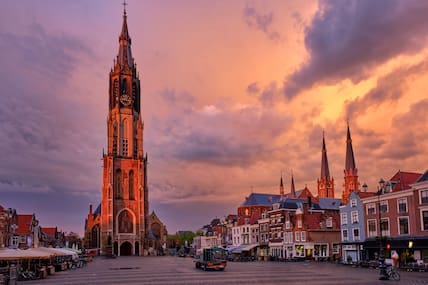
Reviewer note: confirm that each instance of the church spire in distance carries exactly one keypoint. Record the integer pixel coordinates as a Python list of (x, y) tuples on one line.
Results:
[(325, 182), (351, 183)]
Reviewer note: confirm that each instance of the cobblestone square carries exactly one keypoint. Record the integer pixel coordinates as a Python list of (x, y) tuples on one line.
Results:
[(176, 270)]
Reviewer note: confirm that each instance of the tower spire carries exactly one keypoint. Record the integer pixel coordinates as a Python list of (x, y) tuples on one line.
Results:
[(293, 189), (281, 187), (351, 183), (325, 172), (325, 182), (124, 56), (350, 160)]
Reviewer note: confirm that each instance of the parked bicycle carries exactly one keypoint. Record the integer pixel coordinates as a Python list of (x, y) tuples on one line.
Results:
[(392, 273)]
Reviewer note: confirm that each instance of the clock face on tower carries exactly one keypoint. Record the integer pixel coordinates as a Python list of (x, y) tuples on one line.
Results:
[(125, 99)]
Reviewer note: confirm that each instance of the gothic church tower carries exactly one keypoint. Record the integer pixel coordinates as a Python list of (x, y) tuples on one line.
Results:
[(124, 206), (351, 172), (325, 182)]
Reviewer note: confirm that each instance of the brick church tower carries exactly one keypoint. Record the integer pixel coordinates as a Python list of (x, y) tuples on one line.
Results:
[(351, 183), (325, 182), (124, 205)]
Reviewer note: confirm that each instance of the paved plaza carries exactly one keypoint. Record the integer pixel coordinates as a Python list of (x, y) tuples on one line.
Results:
[(176, 270)]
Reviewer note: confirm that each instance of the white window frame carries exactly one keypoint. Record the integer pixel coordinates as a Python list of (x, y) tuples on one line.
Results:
[(424, 209), (344, 218), (329, 222), (302, 236), (353, 203), (398, 205), (347, 235), (297, 236), (386, 233), (356, 238), (384, 203), (398, 225), (287, 225), (299, 223), (369, 233), (420, 195), (371, 206), (354, 217)]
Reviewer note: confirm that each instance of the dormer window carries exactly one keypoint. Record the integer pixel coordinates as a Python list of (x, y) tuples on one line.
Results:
[(353, 202)]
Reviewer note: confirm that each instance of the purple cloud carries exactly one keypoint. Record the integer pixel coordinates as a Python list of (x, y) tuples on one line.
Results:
[(346, 39), (262, 22)]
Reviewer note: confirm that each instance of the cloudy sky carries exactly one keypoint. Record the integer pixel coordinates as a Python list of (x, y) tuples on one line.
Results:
[(234, 93)]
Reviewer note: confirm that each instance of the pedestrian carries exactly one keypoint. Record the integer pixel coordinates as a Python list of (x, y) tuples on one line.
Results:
[(395, 258)]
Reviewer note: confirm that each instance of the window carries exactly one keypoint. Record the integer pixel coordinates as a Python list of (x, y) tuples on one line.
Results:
[(371, 209), (402, 205), (287, 225), (425, 220), (384, 227), (354, 217), (336, 248), (125, 147), (299, 223), (15, 241), (344, 234), (131, 185), (329, 222), (303, 236), (371, 225), (424, 196), (297, 236), (403, 223), (344, 218), (356, 233), (353, 202), (383, 207)]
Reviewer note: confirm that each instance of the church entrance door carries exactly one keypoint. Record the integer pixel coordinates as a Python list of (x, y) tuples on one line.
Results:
[(125, 249)]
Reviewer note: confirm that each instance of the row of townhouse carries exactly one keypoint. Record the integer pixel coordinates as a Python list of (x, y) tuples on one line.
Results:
[(394, 218), (299, 225), (23, 231)]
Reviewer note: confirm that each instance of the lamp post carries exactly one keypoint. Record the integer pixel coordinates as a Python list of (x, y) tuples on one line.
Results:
[(382, 267)]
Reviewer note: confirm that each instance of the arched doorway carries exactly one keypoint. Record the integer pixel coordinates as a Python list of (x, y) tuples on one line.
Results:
[(137, 248), (95, 237), (125, 248)]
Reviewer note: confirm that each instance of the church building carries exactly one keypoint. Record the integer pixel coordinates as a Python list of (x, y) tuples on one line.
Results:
[(120, 225)]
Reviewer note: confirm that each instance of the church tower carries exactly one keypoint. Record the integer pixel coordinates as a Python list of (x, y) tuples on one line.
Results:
[(351, 172), (124, 205), (325, 182)]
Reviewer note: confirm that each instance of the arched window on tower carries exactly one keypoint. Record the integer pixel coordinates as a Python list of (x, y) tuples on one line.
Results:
[(124, 86), (125, 137), (131, 185), (115, 91), (118, 184)]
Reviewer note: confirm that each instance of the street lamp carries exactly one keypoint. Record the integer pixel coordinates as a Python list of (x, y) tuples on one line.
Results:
[(382, 267)]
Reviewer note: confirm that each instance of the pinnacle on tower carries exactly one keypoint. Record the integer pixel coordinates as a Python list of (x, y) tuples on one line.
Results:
[(351, 183), (325, 172), (325, 182), (281, 187), (293, 189)]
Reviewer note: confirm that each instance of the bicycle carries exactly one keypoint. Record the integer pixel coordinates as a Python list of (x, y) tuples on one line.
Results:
[(392, 273)]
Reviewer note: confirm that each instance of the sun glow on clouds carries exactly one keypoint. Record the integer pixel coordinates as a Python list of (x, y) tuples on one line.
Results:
[(233, 94)]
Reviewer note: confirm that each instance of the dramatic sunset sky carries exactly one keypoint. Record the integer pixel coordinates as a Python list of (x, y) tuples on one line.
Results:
[(233, 94)]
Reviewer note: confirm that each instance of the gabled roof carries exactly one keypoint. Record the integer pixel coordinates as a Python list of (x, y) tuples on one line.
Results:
[(330, 203), (49, 231), (402, 180), (24, 224), (423, 177), (261, 199)]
